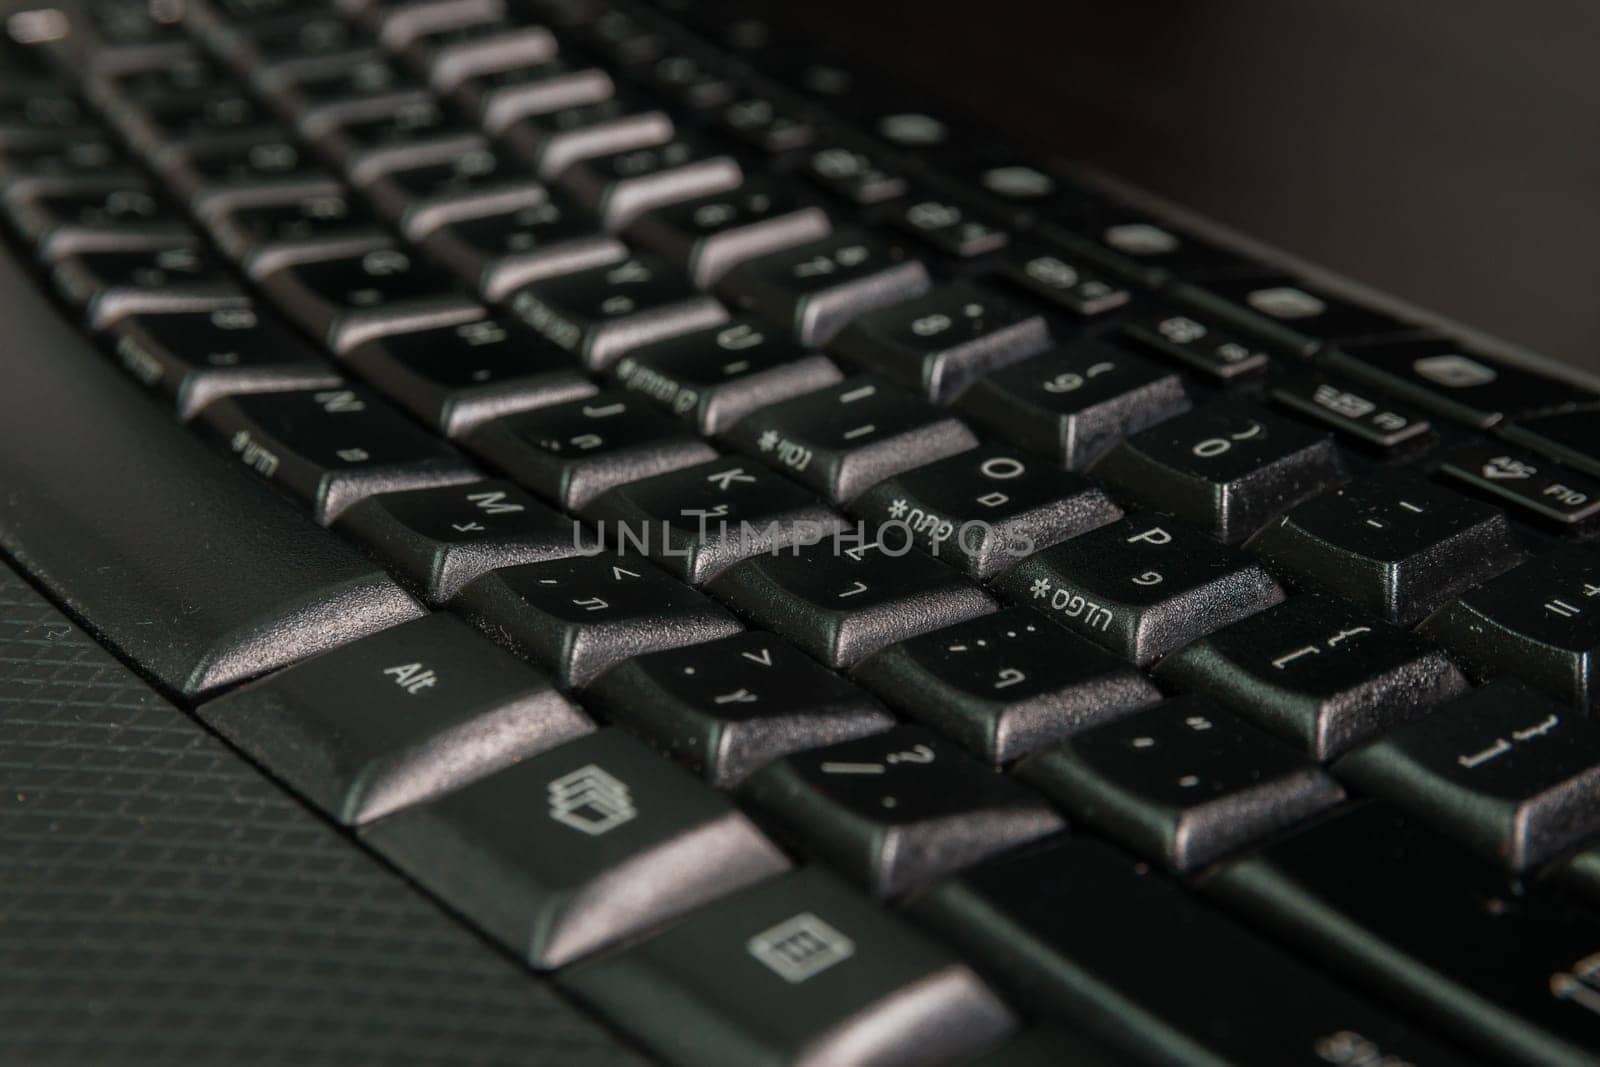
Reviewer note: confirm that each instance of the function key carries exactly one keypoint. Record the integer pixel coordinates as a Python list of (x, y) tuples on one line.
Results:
[(898, 809), (195, 357), (438, 539), (1148, 251), (1054, 275), (1075, 402), (331, 447), (841, 440), (1184, 782), (956, 229), (1358, 416), (1455, 383), (727, 708), (853, 175), (396, 718), (455, 377), (943, 341), (1195, 341), (767, 125), (1226, 468), (1005, 684), (798, 970), (1395, 544), (1539, 621), (986, 508), (548, 855), (816, 289), (1572, 437), (1141, 587), (1528, 484), (1291, 314), (841, 604), (1504, 769), (604, 311), (583, 615), (714, 377), (1317, 672)]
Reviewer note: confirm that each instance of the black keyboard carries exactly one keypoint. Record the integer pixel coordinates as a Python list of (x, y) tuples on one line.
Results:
[(872, 596)]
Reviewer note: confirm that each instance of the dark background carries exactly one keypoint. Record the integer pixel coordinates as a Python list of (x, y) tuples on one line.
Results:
[(1445, 151)]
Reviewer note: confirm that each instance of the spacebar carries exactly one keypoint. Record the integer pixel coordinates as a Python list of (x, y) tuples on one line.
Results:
[(195, 574)]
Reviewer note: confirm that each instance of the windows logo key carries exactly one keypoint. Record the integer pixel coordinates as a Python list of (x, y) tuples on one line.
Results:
[(591, 801)]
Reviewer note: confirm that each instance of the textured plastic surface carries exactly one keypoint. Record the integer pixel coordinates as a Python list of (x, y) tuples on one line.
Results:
[(162, 902)]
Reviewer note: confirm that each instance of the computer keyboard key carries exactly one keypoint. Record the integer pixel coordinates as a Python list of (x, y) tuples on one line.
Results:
[(1358, 417), (572, 452), (109, 286), (947, 224), (841, 601), (712, 378), (570, 851), (60, 156), (453, 58), (1507, 771), (1006, 684), (602, 312), (259, 230), (465, 185), (941, 342), (192, 358), (1454, 382), (1532, 487), (1079, 931), (62, 216), (1296, 316), (621, 186), (353, 298), (841, 440), (800, 970), (498, 253), (818, 288), (1394, 543), (1074, 403), (1142, 587), (709, 235), (1184, 783), (729, 707), (395, 718), (502, 98), (897, 809), (855, 175), (1317, 672), (437, 540), (987, 508), (1148, 251), (767, 125), (1197, 342), (1052, 274), (1572, 437), (1432, 929), (1539, 621), (457, 377), (331, 447), (693, 82), (582, 615), (697, 522), (552, 141), (1226, 468), (235, 166)]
